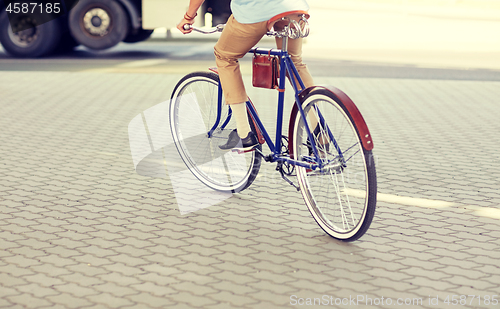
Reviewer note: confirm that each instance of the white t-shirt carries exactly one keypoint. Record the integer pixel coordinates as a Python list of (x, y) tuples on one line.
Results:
[(254, 11)]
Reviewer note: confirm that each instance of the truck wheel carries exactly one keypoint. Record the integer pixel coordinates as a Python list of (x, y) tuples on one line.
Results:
[(138, 36), (35, 42), (98, 24)]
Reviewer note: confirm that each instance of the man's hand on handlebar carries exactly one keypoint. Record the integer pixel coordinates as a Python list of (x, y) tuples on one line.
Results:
[(185, 26)]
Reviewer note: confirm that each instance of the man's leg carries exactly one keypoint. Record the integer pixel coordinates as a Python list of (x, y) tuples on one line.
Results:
[(295, 52), (240, 116), (235, 41)]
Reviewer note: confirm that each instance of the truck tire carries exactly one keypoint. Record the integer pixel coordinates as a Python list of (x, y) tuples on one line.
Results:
[(138, 36), (98, 24), (35, 42)]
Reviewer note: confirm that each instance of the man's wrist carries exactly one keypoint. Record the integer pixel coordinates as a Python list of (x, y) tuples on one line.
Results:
[(187, 17)]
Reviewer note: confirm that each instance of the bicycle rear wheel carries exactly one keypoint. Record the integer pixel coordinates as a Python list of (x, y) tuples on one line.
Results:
[(341, 195), (198, 128)]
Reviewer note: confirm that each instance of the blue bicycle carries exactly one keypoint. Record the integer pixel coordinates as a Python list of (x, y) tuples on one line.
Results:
[(333, 161)]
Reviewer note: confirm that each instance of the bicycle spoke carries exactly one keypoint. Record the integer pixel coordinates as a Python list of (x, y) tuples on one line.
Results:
[(339, 197), (353, 216), (329, 189), (194, 111)]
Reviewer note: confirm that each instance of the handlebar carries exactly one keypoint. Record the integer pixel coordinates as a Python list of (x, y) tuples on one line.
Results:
[(217, 28), (300, 29)]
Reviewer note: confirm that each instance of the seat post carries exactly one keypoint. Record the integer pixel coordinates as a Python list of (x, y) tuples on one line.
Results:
[(284, 45)]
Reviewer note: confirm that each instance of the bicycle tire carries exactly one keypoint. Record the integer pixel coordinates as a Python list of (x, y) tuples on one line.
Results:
[(341, 196), (193, 112)]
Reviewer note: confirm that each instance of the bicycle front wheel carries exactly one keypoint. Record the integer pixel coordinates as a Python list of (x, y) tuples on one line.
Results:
[(341, 195), (200, 122)]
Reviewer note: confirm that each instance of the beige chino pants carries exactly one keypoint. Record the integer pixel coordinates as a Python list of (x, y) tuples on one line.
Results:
[(235, 41)]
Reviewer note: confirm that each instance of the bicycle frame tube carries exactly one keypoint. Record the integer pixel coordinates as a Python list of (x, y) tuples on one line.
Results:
[(284, 58), (288, 68), (330, 135), (291, 68), (294, 75), (219, 112)]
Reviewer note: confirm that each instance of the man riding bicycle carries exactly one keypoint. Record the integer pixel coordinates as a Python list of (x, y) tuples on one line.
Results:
[(244, 28)]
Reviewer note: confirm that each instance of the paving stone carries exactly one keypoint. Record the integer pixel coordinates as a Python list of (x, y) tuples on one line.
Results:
[(229, 300), (237, 250), (6, 304), (80, 279), (205, 270), (127, 260), (114, 289), (194, 300), (422, 281), (22, 261), (154, 289), (276, 300), (84, 204), (118, 278), (110, 300), (7, 291), (323, 288), (29, 301), (88, 259), (234, 288), (463, 281), (238, 259), (493, 278), (456, 262), (75, 290), (371, 273)]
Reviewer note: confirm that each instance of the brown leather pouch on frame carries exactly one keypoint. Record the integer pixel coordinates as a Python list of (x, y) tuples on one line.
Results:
[(265, 71)]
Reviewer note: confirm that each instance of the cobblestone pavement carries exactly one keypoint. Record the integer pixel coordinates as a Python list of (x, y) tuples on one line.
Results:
[(80, 228)]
